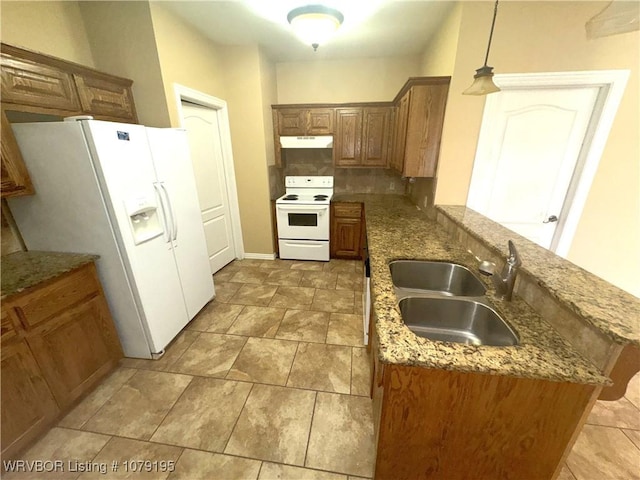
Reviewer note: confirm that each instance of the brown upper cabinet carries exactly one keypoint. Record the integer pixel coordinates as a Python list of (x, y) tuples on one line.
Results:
[(376, 131), (36, 84), (362, 137), (14, 177), (305, 121), (419, 119), (403, 135), (347, 142)]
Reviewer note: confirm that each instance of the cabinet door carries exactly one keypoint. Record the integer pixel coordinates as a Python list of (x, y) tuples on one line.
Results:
[(29, 83), (76, 348), (105, 98), (346, 237), (424, 129), (393, 121), (347, 151), (375, 136), (292, 121), (14, 176), (321, 121), (276, 138), (27, 404), (397, 162)]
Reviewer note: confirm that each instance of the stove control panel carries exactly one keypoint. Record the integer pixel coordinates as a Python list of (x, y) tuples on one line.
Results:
[(309, 182)]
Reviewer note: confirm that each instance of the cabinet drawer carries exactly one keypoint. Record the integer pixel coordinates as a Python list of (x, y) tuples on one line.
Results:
[(347, 210), (103, 97), (6, 326), (36, 84), (56, 297)]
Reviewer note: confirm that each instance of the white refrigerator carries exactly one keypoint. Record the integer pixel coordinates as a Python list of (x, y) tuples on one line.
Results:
[(127, 193)]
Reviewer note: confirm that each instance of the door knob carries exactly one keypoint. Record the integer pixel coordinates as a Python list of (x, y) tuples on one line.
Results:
[(551, 219)]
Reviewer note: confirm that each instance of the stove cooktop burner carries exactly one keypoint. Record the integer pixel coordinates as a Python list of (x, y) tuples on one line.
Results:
[(320, 198), (291, 197)]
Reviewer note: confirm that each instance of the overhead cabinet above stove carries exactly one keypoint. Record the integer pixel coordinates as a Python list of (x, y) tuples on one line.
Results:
[(403, 134), (300, 121)]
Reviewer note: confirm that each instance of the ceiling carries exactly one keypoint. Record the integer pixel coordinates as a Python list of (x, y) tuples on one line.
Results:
[(371, 28)]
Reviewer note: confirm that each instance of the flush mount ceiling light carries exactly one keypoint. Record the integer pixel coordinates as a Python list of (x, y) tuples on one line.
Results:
[(483, 79), (314, 24)]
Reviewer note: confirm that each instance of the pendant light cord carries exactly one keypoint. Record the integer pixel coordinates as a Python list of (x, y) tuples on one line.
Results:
[(493, 24)]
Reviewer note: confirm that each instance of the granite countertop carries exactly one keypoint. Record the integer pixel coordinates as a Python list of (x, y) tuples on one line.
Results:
[(23, 270), (611, 310), (397, 229)]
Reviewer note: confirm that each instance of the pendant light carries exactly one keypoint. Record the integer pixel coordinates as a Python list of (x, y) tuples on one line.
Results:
[(483, 79), (314, 24)]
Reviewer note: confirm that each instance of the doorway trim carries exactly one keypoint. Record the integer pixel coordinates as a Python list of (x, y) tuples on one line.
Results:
[(222, 111), (612, 84)]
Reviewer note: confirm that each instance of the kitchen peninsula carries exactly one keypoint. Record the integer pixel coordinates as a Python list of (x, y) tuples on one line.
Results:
[(444, 408)]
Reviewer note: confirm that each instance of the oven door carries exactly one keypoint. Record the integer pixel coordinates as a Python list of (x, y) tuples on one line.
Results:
[(303, 222)]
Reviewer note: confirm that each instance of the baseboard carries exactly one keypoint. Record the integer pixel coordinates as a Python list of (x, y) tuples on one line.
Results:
[(260, 256)]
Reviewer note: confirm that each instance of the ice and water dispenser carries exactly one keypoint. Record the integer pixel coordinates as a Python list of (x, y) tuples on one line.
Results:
[(143, 217)]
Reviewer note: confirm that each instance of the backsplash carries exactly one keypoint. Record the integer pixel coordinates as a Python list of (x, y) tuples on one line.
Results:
[(346, 180), (422, 193), (276, 182)]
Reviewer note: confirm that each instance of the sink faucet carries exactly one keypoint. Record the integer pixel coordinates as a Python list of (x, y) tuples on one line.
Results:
[(506, 280)]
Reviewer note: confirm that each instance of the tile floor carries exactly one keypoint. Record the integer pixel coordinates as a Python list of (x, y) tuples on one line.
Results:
[(270, 381)]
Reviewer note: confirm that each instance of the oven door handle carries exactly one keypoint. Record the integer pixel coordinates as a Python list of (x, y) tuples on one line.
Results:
[(321, 209)]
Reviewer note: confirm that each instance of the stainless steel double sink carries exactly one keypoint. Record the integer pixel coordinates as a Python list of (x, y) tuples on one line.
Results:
[(446, 301)]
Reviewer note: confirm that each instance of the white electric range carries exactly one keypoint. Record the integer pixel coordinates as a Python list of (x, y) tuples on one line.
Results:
[(302, 216)]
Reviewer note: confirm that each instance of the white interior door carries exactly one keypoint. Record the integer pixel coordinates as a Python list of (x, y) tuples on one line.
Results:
[(530, 144), (203, 131)]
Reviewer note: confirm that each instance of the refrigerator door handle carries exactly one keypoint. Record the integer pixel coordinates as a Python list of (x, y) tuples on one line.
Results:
[(166, 228), (174, 221)]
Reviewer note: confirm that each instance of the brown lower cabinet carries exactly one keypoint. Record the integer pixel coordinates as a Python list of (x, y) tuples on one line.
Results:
[(436, 424), (28, 406), (58, 342), (347, 230)]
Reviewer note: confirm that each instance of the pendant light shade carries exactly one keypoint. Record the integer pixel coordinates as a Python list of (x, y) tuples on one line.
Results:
[(482, 83), (315, 24), (483, 79)]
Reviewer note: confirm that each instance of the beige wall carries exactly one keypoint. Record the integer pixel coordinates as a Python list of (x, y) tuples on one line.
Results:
[(439, 57), (186, 57), (123, 43), (550, 36), (245, 79), (244, 95), (54, 28), (343, 81), (269, 88)]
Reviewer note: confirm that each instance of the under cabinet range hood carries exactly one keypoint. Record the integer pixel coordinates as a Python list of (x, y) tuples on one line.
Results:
[(320, 141)]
